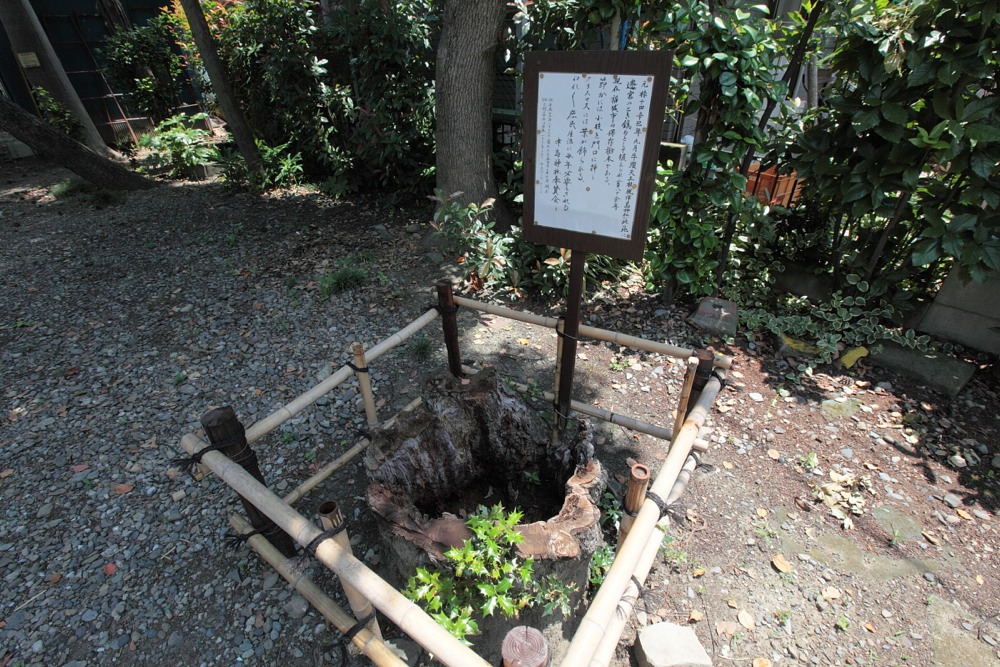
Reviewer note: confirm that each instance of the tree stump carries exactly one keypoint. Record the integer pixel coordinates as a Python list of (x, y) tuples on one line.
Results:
[(477, 442)]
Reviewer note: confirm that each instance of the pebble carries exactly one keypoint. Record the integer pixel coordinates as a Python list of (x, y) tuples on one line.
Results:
[(756, 397), (951, 500), (296, 607)]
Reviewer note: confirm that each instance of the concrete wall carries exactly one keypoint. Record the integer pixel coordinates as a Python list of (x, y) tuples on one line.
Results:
[(966, 314)]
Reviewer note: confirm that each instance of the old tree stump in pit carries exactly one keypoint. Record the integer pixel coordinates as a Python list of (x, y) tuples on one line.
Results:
[(477, 442)]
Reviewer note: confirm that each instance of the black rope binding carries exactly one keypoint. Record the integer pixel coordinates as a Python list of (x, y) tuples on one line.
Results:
[(347, 637), (357, 369), (658, 501), (444, 310), (187, 463), (299, 562), (236, 540), (563, 334), (722, 380)]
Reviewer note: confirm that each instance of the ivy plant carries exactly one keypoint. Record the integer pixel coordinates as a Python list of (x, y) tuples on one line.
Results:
[(485, 576)]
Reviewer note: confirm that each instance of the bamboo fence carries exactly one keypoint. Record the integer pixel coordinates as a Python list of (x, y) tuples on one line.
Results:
[(599, 629)]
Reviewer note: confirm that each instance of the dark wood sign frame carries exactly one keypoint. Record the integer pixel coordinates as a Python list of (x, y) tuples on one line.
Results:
[(636, 63)]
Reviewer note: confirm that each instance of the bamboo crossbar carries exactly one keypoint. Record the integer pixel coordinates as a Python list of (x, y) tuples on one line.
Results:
[(600, 413), (410, 618), (373, 647), (596, 622), (721, 360), (333, 466), (303, 401)]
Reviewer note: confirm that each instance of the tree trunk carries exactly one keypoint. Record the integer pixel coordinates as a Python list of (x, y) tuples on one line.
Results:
[(27, 36), (220, 84), (63, 150), (464, 82)]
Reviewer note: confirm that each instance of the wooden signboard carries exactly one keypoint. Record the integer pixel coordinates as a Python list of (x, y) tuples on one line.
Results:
[(592, 124)]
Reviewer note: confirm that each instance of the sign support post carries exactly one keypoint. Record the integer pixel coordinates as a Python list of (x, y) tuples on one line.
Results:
[(569, 335), (592, 123)]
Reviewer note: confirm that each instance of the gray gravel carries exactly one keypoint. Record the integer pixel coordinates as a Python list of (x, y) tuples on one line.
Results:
[(119, 328)]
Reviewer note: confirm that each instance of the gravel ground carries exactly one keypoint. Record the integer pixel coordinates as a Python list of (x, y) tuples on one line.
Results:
[(121, 326), (123, 321)]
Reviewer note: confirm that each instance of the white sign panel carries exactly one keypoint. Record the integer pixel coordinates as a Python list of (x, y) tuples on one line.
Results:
[(590, 138)]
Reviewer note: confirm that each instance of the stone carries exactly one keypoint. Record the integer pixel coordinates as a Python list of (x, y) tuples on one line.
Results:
[(296, 607), (996, 461), (756, 397), (957, 461), (716, 316), (670, 645), (940, 372), (951, 500)]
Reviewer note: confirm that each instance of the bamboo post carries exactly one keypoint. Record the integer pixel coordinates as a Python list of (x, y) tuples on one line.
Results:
[(706, 360), (594, 624), (303, 401), (606, 649), (410, 618), (376, 650), (682, 404), (635, 493), (449, 322), (331, 516), (365, 382), (525, 647), (222, 426)]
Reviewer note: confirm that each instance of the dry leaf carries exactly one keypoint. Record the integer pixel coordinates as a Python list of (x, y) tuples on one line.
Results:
[(980, 580), (781, 563), (803, 504), (523, 341), (761, 662), (699, 572), (6, 473), (80, 467), (831, 593), (930, 537), (110, 569), (723, 409), (695, 616), (965, 515), (55, 578), (727, 465), (727, 628), (746, 620), (870, 628), (761, 512), (731, 603), (774, 454), (121, 489), (871, 466)]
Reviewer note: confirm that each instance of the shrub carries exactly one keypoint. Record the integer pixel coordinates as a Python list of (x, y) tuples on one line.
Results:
[(177, 146), (144, 63)]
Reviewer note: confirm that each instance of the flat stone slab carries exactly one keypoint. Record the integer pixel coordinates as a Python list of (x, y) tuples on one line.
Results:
[(938, 371), (670, 645), (716, 316)]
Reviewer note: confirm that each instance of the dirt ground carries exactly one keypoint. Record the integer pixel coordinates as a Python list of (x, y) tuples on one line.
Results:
[(754, 562)]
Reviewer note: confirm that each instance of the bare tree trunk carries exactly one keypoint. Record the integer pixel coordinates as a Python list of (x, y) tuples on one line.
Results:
[(63, 150), (464, 83), (220, 84)]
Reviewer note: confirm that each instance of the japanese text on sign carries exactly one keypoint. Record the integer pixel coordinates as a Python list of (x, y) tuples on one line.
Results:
[(591, 134)]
